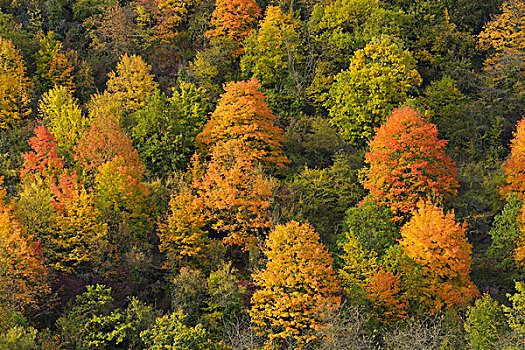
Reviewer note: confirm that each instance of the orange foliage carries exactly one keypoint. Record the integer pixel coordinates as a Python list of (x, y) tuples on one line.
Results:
[(44, 160), (235, 195), (408, 163), (102, 142), (515, 166), (234, 18), (242, 114), (296, 285), (384, 291), (439, 245)]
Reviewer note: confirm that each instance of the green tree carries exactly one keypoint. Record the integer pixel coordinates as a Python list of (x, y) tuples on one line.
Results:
[(486, 324), (170, 332), (378, 79)]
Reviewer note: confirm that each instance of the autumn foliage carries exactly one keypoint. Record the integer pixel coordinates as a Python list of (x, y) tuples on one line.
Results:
[(23, 274), (297, 283), (234, 18), (408, 163), (242, 114), (439, 245), (515, 166)]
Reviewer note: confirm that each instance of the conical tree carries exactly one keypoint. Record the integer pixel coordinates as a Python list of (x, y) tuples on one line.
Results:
[(242, 114)]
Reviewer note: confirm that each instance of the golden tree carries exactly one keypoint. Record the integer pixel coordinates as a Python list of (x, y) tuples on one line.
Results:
[(434, 240), (15, 87), (296, 285)]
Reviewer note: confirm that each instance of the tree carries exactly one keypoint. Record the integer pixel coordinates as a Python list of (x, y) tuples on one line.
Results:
[(170, 332), (389, 304), (514, 171), (102, 141), (165, 130), (15, 87), (439, 245), (358, 264), (273, 56), (242, 114), (504, 36), (52, 66), (485, 323), (23, 274), (183, 236), (65, 118), (378, 79), (132, 83), (297, 283), (234, 18), (235, 195), (408, 163)]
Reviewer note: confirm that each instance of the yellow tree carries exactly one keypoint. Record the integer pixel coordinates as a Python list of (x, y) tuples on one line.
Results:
[(131, 83), (296, 285), (504, 37), (15, 87), (52, 66), (23, 275), (65, 118), (378, 79), (183, 236), (438, 244)]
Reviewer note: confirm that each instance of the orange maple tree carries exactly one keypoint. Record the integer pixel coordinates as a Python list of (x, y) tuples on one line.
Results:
[(235, 195), (296, 285), (434, 240), (407, 163), (242, 114), (385, 292), (515, 166), (234, 18)]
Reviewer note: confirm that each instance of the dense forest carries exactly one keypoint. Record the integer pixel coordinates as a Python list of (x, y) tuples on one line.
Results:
[(262, 174)]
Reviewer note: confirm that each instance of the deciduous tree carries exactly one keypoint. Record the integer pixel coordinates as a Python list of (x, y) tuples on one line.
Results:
[(515, 166), (297, 283), (15, 87), (378, 79), (408, 163), (242, 114), (438, 244)]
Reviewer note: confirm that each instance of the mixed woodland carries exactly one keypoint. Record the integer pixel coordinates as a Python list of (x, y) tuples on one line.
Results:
[(262, 174)]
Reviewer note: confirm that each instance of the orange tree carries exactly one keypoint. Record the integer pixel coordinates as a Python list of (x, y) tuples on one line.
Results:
[(242, 114), (407, 163), (234, 18), (434, 241), (296, 285), (515, 166)]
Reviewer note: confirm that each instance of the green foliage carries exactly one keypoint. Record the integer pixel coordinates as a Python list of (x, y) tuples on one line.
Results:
[(92, 322), (165, 130), (485, 323), (19, 338), (379, 77), (373, 225), (325, 195), (505, 232), (170, 332)]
